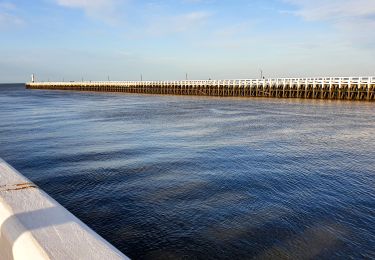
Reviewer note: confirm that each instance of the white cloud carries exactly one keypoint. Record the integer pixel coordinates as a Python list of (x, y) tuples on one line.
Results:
[(235, 30), (102, 9), (198, 1), (177, 24), (192, 1), (7, 6), (334, 10), (8, 16), (8, 20), (85, 4), (355, 19)]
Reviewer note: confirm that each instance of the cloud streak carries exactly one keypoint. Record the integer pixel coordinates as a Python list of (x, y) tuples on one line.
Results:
[(104, 10), (334, 10), (8, 16), (355, 19), (178, 24), (87, 5)]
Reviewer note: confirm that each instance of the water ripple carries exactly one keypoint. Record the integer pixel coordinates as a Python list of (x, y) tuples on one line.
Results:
[(164, 177)]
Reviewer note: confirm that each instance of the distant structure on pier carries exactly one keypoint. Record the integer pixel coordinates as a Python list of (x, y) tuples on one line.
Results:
[(343, 88)]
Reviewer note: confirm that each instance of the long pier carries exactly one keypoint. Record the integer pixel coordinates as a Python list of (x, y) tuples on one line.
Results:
[(340, 88)]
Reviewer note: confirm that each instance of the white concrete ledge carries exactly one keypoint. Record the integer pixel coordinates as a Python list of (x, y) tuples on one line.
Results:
[(35, 226)]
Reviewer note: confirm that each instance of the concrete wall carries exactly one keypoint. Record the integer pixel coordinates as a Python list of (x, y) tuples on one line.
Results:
[(34, 226)]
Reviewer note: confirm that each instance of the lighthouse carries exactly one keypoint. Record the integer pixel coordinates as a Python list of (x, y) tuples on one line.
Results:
[(32, 78)]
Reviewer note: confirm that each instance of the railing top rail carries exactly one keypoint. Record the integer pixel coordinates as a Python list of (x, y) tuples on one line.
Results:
[(211, 81)]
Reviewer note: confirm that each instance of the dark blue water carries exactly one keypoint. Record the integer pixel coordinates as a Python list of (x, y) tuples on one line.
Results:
[(167, 177)]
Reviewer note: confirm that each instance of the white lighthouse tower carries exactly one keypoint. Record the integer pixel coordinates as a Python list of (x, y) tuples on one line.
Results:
[(32, 78)]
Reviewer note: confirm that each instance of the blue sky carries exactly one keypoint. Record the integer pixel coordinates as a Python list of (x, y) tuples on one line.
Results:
[(163, 40)]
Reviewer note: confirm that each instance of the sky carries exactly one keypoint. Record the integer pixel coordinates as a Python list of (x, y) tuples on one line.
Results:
[(165, 39)]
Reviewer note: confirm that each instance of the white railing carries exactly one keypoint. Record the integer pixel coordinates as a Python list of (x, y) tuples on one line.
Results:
[(223, 82)]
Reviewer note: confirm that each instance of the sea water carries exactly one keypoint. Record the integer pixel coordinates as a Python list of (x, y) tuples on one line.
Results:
[(172, 177)]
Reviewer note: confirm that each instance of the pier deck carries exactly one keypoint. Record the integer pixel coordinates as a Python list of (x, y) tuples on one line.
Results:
[(343, 88)]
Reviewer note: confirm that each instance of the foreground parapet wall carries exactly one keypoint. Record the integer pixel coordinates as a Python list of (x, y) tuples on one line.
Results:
[(34, 226), (343, 88)]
